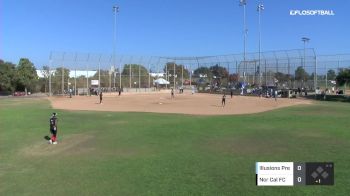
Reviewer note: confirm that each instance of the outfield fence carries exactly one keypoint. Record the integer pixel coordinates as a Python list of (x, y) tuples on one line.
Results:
[(86, 72)]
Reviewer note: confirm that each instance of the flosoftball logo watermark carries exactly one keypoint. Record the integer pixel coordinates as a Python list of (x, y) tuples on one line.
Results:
[(311, 13)]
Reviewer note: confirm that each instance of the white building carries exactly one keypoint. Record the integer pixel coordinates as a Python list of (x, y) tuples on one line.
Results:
[(72, 73)]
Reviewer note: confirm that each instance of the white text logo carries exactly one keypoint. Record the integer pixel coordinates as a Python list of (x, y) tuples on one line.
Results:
[(311, 13)]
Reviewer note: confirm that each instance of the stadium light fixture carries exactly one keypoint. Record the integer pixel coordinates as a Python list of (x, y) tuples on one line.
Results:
[(242, 2)]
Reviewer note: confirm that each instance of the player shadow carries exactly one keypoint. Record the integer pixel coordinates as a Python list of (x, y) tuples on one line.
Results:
[(217, 106), (160, 103)]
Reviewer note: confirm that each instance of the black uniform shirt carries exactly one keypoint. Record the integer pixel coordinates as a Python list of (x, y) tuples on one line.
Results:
[(53, 122)]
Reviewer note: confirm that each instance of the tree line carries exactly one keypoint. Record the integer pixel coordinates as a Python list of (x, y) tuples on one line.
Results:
[(23, 76)]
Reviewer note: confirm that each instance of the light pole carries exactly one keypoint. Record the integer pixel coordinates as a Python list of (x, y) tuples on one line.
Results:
[(245, 30), (115, 10), (305, 40), (99, 74), (174, 73), (260, 8), (62, 70), (50, 78)]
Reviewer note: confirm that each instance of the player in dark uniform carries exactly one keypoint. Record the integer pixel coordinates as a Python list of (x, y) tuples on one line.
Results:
[(223, 102), (172, 93), (53, 128), (101, 97)]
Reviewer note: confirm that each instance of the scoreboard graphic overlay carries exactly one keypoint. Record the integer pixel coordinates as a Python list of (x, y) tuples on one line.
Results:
[(294, 173)]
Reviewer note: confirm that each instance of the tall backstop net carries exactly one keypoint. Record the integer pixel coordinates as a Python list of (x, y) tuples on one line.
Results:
[(85, 73)]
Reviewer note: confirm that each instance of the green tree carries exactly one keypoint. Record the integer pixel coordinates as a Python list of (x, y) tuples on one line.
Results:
[(136, 72), (7, 76), (312, 76), (26, 75), (46, 71), (203, 71), (44, 82), (233, 77), (343, 77), (331, 75), (80, 82), (220, 75), (281, 77), (204, 76), (56, 80), (219, 71), (301, 74), (179, 70), (134, 68), (104, 76)]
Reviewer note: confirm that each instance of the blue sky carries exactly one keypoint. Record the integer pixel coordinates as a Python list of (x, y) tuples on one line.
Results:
[(33, 28)]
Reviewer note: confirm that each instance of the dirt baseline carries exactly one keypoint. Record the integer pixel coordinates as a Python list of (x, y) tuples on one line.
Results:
[(187, 103)]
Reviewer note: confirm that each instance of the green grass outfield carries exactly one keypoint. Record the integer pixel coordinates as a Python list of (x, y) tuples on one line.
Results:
[(106, 153)]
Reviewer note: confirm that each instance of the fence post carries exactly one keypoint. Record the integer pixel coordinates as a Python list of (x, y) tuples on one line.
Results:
[(265, 74), (62, 70), (190, 76), (75, 83), (315, 77), (75, 75), (120, 73), (87, 81), (87, 76), (130, 76), (182, 75), (140, 75), (166, 75), (149, 75), (99, 75), (326, 76), (50, 65)]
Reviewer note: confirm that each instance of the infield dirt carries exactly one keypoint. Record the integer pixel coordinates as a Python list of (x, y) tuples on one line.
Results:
[(187, 103)]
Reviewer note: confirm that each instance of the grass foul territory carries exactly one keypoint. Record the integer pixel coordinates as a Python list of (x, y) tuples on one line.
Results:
[(120, 153)]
